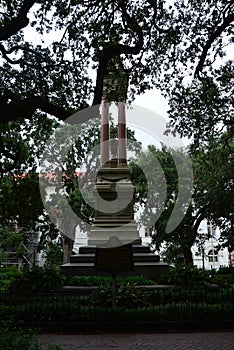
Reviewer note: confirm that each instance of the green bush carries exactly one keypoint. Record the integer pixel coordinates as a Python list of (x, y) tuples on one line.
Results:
[(226, 271), (127, 295), (13, 337), (88, 281), (7, 276), (224, 277), (137, 280), (225, 280), (194, 277), (37, 280), (106, 281), (186, 276), (196, 295), (53, 254), (59, 307)]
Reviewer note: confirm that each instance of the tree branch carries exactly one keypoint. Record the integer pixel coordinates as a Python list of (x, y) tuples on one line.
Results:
[(25, 108), (199, 217), (17, 23), (226, 22), (5, 53)]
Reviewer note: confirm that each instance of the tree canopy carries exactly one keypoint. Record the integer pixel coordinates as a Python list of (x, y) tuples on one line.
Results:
[(212, 196), (172, 45), (165, 196), (213, 172)]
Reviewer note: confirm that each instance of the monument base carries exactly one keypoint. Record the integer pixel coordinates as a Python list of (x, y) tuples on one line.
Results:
[(145, 263)]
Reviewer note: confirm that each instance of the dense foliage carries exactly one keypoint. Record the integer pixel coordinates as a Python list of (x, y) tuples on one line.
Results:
[(160, 194), (17, 337), (177, 46), (37, 279)]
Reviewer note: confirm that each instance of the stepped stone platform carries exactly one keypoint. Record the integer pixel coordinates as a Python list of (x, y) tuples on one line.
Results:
[(145, 262)]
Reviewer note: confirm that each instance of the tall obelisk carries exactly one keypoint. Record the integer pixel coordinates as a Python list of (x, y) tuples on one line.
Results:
[(114, 225)]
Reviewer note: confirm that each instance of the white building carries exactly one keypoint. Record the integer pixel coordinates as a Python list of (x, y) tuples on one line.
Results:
[(206, 253)]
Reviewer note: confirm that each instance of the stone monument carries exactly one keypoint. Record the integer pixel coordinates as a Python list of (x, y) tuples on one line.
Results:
[(114, 224)]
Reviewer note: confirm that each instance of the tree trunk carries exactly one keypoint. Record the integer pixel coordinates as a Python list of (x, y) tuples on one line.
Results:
[(188, 257), (20, 263), (67, 249)]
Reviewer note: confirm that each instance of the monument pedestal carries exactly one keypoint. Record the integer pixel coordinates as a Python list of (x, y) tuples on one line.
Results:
[(114, 198)]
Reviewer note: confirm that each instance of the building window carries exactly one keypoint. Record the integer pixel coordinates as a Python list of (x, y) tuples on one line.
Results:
[(213, 256)]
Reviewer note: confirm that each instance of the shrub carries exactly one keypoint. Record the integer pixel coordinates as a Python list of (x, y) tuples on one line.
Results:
[(127, 295), (226, 271), (106, 281), (137, 280), (88, 281), (13, 337), (7, 276), (186, 276), (37, 280), (223, 280), (53, 254)]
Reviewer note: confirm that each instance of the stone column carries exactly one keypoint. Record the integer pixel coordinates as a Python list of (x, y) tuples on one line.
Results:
[(122, 159), (104, 132)]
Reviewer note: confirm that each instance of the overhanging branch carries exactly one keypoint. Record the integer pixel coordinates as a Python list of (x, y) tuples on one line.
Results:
[(199, 217), (219, 30), (17, 23), (25, 108), (5, 54)]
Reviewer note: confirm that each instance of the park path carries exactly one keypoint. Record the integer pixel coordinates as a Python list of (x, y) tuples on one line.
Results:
[(123, 341)]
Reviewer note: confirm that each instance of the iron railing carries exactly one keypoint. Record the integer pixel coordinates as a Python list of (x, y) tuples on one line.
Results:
[(157, 306)]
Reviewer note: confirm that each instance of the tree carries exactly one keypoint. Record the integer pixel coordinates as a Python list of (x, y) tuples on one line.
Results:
[(212, 196), (20, 202), (203, 110), (21, 208), (214, 174), (22, 142), (15, 241), (53, 254), (166, 210), (160, 43)]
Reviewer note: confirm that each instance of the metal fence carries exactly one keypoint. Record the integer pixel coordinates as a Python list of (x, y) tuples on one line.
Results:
[(150, 306)]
